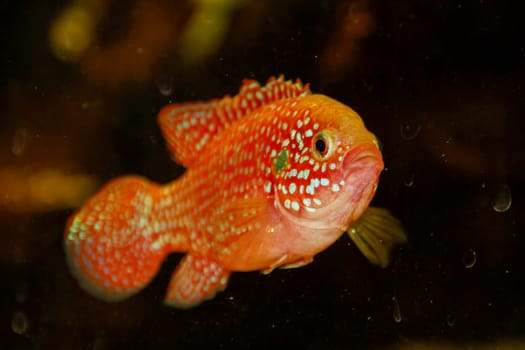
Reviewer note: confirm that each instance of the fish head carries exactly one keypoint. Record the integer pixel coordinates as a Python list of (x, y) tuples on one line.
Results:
[(330, 166)]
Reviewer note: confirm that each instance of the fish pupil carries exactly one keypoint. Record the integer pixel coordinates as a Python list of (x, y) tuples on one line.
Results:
[(320, 146)]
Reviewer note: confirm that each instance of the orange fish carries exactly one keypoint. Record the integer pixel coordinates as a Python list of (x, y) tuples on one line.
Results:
[(274, 175)]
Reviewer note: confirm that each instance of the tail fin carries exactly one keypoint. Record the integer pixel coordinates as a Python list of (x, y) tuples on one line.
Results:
[(113, 244)]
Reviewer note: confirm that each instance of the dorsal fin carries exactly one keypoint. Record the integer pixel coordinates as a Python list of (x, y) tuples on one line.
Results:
[(188, 127)]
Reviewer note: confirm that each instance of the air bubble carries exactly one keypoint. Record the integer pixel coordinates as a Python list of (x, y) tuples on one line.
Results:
[(396, 311), (469, 260), (409, 182), (451, 320), (20, 141), (19, 323), (501, 198), (409, 132), (165, 85)]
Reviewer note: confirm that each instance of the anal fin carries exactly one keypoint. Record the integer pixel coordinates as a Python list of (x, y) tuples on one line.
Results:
[(376, 233), (195, 280)]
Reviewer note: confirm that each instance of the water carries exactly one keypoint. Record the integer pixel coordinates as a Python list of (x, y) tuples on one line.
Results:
[(440, 85)]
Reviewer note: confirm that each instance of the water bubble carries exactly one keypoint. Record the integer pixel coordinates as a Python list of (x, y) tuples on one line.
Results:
[(20, 141), (19, 323), (470, 258), (409, 132), (451, 320), (501, 198), (165, 85), (396, 311), (409, 182)]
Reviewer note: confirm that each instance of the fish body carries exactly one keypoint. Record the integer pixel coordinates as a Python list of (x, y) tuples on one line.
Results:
[(274, 176)]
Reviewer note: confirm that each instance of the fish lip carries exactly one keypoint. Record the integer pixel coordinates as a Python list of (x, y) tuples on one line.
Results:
[(361, 157), (362, 152)]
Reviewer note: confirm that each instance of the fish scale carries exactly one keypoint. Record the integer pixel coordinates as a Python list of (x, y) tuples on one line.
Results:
[(280, 175)]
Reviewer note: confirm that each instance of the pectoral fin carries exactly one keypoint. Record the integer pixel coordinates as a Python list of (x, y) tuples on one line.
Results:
[(376, 233)]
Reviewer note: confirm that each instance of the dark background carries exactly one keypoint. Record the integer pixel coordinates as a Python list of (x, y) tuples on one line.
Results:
[(441, 84)]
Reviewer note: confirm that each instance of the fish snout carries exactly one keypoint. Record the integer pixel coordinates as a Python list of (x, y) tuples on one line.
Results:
[(364, 156), (362, 167)]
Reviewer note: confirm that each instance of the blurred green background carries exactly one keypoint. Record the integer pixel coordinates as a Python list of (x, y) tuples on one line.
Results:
[(441, 83)]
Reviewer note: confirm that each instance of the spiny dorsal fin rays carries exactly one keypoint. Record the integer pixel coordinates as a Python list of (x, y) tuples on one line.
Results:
[(189, 127), (376, 233)]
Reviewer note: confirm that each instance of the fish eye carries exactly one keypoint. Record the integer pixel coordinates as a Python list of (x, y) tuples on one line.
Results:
[(322, 144)]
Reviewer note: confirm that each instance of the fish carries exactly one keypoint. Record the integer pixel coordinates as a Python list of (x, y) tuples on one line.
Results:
[(274, 175)]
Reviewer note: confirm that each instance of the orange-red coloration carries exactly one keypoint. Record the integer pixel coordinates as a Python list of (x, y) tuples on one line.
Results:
[(275, 175)]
